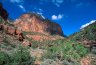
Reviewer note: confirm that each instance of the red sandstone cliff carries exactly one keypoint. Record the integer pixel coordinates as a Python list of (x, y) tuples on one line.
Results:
[(32, 22)]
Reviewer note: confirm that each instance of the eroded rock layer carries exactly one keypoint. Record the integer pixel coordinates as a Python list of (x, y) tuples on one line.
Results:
[(32, 22)]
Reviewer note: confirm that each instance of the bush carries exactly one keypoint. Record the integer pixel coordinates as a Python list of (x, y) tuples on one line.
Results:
[(6, 40), (4, 58), (21, 56), (1, 20), (49, 62), (65, 62), (35, 44), (66, 51)]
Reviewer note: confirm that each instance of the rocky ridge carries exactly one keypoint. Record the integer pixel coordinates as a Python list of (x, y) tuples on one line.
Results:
[(32, 22)]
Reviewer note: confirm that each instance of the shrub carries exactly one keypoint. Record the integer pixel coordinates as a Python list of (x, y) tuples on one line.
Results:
[(35, 44), (48, 62), (1, 20), (22, 57), (8, 43), (65, 62), (6, 40), (4, 58), (66, 51)]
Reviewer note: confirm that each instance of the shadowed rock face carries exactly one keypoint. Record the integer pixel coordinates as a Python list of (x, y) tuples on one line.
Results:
[(32, 22), (53, 28), (3, 12)]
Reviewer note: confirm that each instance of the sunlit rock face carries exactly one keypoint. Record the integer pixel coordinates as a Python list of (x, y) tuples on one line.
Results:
[(3, 12), (32, 22)]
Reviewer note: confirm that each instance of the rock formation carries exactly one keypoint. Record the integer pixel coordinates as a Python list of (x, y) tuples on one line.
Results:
[(31, 22), (3, 12)]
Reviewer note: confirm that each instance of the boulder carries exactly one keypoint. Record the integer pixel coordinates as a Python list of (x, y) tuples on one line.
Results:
[(26, 43), (10, 30)]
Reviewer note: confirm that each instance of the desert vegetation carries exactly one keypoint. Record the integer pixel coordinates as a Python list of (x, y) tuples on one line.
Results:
[(16, 48), (20, 56)]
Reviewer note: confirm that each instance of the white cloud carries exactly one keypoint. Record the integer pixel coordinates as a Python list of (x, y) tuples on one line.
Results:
[(40, 10), (19, 3), (57, 2), (40, 13), (60, 1), (54, 17), (60, 16), (22, 7), (16, 1), (85, 25)]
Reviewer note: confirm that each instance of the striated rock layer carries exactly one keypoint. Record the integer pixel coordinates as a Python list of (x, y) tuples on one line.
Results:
[(31, 22)]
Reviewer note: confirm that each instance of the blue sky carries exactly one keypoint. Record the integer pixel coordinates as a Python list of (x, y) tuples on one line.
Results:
[(70, 14)]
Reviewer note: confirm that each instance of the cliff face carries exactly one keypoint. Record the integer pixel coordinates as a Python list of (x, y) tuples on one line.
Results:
[(3, 12), (32, 22), (29, 23)]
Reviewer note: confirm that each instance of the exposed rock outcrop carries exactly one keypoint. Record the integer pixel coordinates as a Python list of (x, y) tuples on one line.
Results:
[(32, 22), (29, 23), (3, 12), (86, 61), (26, 43)]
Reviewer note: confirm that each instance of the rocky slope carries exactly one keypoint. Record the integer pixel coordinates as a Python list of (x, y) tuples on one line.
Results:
[(88, 32), (32, 40), (29, 27), (87, 35)]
